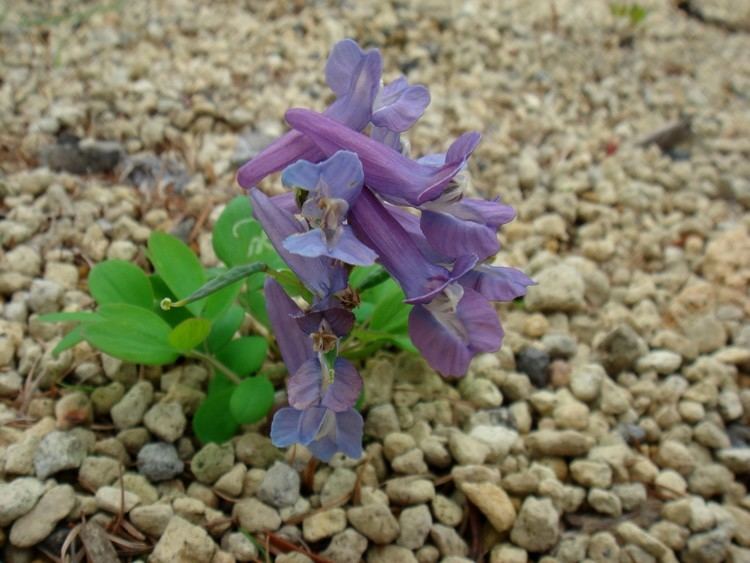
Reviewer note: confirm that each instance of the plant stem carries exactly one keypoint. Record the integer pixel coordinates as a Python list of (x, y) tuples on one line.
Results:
[(216, 364)]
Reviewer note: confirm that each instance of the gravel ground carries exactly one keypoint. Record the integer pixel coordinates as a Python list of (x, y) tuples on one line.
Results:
[(612, 426)]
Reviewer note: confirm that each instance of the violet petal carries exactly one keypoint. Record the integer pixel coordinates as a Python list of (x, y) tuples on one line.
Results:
[(294, 344), (342, 394), (285, 427), (303, 388), (398, 106)]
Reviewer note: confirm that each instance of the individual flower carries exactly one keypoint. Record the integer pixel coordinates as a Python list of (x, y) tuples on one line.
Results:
[(389, 173), (354, 76), (321, 415), (331, 187), (320, 275), (455, 326)]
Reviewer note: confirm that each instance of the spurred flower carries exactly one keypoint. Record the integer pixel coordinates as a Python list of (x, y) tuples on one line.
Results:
[(321, 415), (391, 174), (320, 275), (331, 187)]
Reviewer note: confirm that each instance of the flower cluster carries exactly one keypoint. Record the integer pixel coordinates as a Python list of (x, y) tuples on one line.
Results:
[(357, 198)]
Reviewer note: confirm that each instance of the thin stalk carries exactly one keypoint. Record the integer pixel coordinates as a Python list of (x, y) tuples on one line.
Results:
[(217, 365)]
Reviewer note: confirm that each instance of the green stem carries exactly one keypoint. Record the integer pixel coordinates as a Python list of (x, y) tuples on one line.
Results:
[(216, 365)]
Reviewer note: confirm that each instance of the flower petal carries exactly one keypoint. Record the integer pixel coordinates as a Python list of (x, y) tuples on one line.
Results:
[(285, 427), (354, 106), (397, 252), (347, 248), (342, 176), (498, 283), (449, 341), (349, 425), (285, 150), (342, 394), (302, 175), (398, 106), (453, 237), (311, 424), (350, 250), (294, 344), (387, 137), (303, 388), (441, 347), (324, 448), (310, 243), (342, 63), (386, 171), (480, 318), (340, 319)]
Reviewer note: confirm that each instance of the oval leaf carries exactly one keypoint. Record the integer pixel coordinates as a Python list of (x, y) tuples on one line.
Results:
[(211, 422), (224, 327), (251, 400), (132, 334), (244, 355), (117, 281), (177, 266), (189, 333), (239, 239)]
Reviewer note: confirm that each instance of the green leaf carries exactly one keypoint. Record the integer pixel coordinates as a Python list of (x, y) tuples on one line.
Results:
[(117, 281), (211, 422), (224, 327), (368, 277), (251, 400), (69, 340), (177, 266), (255, 304), (132, 334), (218, 382), (390, 314), (364, 311), (69, 316), (189, 333), (239, 239), (244, 355)]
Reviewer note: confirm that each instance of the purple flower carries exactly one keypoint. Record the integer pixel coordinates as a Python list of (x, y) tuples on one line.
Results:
[(396, 108), (320, 275), (354, 75), (465, 226), (332, 186), (397, 252), (323, 420), (454, 327), (294, 343), (389, 173), (323, 431), (497, 283), (321, 414)]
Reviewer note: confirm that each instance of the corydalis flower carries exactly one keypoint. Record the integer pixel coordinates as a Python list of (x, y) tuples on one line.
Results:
[(320, 275), (388, 172), (454, 327), (321, 414), (354, 76), (331, 186)]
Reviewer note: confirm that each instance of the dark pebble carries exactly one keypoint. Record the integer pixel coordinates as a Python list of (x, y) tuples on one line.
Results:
[(159, 462), (534, 363)]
